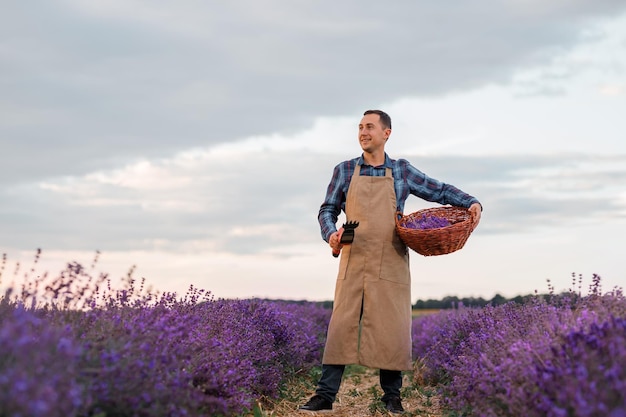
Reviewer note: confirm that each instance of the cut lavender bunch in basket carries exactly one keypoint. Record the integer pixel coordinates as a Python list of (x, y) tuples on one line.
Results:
[(427, 222)]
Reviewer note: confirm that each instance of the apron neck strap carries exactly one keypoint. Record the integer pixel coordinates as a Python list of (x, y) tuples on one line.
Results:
[(357, 171)]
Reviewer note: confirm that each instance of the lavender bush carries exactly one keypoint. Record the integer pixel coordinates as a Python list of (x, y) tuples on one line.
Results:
[(586, 374), (560, 357), (73, 346), (39, 366)]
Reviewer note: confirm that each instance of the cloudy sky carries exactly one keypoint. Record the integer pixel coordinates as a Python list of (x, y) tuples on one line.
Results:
[(196, 139)]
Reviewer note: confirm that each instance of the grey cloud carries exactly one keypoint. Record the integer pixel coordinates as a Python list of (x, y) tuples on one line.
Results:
[(271, 200), (86, 89)]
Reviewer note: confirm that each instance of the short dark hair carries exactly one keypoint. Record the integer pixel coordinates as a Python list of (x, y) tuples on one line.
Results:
[(385, 120)]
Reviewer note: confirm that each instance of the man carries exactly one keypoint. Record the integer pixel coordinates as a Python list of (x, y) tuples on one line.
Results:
[(371, 320)]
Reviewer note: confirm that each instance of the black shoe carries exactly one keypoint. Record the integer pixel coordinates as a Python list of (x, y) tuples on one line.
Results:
[(317, 403), (394, 405)]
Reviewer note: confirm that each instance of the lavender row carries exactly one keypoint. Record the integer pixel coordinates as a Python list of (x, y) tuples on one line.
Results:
[(125, 354), (564, 356)]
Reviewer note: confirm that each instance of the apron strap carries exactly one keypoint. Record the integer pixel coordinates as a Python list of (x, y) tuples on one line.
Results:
[(357, 171)]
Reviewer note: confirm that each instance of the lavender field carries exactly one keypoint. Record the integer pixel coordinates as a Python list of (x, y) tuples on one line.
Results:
[(71, 345)]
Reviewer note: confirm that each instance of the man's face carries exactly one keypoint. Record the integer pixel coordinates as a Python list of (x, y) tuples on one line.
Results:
[(372, 135)]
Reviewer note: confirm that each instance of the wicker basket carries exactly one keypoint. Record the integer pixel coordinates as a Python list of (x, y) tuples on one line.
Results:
[(440, 241)]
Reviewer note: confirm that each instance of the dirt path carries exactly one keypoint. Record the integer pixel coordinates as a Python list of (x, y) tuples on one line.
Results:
[(359, 396)]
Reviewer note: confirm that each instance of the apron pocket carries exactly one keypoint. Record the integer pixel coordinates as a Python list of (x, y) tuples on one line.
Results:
[(343, 262), (394, 264)]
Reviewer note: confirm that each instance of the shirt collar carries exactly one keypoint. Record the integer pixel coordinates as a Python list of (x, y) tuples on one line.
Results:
[(386, 164)]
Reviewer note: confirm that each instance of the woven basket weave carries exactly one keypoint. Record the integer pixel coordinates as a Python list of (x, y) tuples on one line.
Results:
[(440, 241)]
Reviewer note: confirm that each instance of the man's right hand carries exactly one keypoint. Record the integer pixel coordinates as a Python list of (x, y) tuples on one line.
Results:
[(335, 240)]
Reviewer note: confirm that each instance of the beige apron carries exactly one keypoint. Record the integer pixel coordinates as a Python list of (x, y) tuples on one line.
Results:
[(371, 320)]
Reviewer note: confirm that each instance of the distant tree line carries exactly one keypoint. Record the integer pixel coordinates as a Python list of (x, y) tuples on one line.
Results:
[(455, 302), (445, 303)]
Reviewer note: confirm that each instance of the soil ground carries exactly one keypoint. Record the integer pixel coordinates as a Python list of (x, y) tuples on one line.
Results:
[(359, 396)]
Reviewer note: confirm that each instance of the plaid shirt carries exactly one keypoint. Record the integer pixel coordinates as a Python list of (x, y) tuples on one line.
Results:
[(407, 180)]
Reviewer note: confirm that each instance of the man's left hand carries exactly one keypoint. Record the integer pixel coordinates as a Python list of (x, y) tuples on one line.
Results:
[(475, 210)]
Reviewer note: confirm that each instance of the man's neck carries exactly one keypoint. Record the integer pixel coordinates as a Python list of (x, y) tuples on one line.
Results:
[(374, 160)]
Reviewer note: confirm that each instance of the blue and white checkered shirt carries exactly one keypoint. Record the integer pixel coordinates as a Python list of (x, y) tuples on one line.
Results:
[(407, 180)]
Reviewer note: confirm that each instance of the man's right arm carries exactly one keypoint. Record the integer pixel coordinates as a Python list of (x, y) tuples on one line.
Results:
[(331, 207)]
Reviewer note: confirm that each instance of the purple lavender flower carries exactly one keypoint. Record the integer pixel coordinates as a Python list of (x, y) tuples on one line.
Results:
[(89, 350), (586, 374), (426, 222), (563, 357), (39, 366)]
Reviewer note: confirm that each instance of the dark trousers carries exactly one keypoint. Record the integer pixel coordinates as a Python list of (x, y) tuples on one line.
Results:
[(328, 385)]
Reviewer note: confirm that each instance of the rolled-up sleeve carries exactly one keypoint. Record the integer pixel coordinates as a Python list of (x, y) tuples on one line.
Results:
[(430, 189), (333, 203)]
